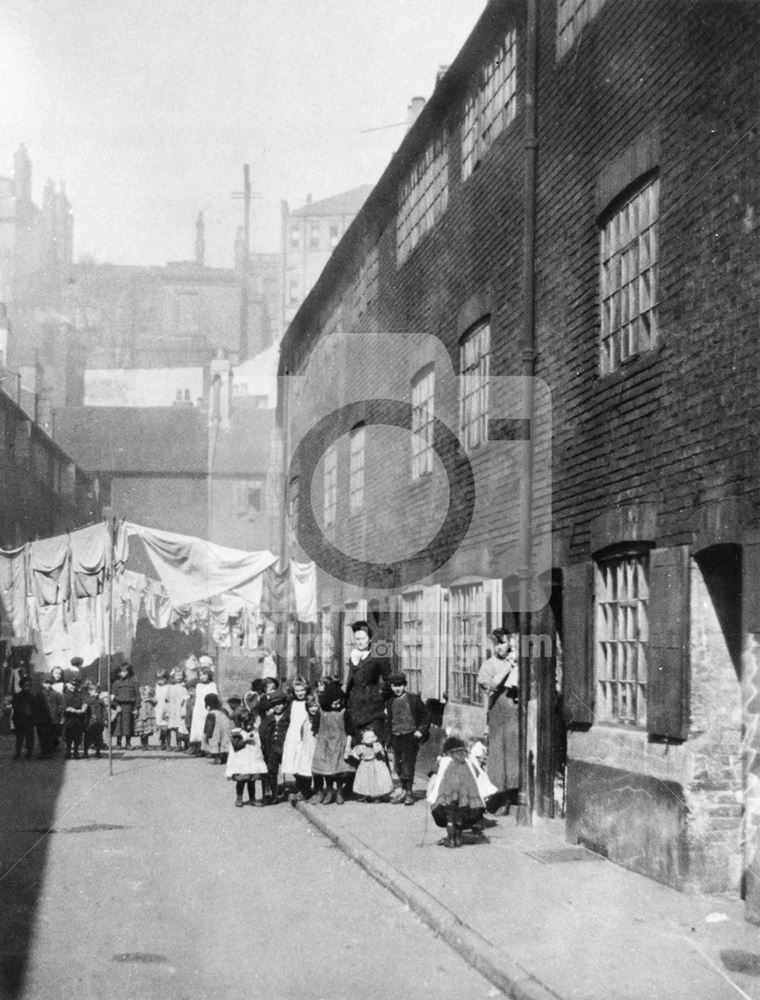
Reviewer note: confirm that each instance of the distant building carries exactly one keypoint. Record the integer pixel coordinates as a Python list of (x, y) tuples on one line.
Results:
[(198, 467), (309, 236), (36, 244), (154, 317)]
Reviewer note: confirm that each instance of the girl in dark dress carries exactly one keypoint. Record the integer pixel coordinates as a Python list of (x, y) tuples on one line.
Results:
[(328, 765), (125, 693)]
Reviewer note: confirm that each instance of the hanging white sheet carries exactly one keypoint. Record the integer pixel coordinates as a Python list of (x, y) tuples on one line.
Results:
[(193, 569), (303, 577), (14, 625)]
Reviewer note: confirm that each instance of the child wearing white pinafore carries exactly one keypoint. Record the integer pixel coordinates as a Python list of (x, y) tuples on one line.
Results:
[(245, 761), (161, 708), (306, 752), (294, 736), (373, 781)]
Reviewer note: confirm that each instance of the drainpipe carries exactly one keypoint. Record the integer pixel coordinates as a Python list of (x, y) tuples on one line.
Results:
[(528, 355)]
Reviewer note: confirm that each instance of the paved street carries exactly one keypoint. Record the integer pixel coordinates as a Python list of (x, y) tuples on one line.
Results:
[(151, 884)]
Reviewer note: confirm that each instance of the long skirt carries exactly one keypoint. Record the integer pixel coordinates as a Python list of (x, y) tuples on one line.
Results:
[(373, 779), (503, 743), (124, 724)]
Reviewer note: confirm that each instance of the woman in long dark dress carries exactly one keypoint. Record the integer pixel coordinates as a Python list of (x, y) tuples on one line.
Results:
[(367, 685)]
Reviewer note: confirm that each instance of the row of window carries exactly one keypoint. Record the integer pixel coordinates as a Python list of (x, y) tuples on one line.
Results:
[(629, 251), (629, 296), (440, 626), (489, 107), (316, 235), (475, 351), (449, 628)]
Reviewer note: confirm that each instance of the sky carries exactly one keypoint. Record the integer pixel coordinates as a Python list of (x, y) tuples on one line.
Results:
[(148, 109)]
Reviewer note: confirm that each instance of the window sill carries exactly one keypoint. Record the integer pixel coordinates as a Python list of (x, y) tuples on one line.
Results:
[(631, 366)]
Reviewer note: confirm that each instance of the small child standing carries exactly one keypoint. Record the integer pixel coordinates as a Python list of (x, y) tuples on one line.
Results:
[(146, 716), (245, 761), (74, 715), (297, 717), (176, 698), (161, 708), (23, 717), (216, 730), (329, 763), (272, 731), (191, 686), (409, 725), (373, 781), (96, 720), (305, 757), (48, 715)]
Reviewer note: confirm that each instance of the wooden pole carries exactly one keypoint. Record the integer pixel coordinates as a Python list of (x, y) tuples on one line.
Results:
[(110, 563)]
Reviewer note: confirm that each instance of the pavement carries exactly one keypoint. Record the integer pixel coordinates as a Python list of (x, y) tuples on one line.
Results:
[(541, 918), (537, 917)]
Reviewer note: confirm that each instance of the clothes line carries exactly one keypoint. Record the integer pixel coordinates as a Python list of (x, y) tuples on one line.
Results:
[(53, 592)]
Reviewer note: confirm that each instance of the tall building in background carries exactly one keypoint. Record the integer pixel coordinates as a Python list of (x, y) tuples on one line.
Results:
[(309, 236), (36, 244)]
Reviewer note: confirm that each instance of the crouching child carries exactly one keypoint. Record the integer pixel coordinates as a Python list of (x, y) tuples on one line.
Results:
[(455, 799)]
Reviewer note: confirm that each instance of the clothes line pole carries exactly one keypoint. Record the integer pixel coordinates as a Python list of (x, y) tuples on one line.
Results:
[(110, 521)]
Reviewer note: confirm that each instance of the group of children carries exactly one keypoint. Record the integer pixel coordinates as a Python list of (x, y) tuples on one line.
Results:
[(303, 746), (300, 745), (297, 746), (64, 710)]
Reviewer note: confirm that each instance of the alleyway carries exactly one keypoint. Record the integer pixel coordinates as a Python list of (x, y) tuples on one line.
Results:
[(150, 884)]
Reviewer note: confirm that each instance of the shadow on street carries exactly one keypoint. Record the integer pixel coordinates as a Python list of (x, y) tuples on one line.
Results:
[(29, 790)]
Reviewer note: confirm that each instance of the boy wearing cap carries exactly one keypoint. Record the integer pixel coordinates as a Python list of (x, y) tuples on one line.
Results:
[(74, 715), (409, 725), (272, 733)]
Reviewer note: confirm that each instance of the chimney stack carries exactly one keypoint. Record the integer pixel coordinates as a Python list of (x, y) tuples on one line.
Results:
[(413, 111), (200, 240)]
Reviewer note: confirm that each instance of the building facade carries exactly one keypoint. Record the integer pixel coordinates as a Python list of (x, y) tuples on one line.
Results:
[(196, 468), (575, 206), (308, 236), (36, 243)]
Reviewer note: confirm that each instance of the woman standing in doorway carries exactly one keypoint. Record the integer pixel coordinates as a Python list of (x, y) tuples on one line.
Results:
[(498, 680)]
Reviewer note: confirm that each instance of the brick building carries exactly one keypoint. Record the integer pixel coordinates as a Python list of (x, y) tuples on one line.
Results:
[(197, 468), (576, 202), (42, 493)]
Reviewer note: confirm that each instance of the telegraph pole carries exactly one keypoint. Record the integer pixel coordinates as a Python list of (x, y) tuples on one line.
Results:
[(246, 195)]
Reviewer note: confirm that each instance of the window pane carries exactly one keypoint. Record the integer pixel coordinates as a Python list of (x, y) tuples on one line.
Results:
[(621, 594), (628, 278)]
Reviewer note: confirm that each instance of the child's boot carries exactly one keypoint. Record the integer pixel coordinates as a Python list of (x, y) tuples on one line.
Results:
[(450, 839)]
